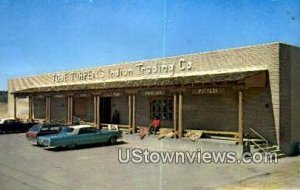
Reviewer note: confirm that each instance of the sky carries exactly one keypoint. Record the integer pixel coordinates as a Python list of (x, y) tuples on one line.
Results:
[(43, 36)]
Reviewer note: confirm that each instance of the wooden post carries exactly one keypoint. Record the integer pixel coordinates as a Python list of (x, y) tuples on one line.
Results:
[(133, 114), (15, 106), (240, 94), (70, 109), (175, 112), (98, 115), (130, 113), (180, 130), (48, 109), (30, 109), (95, 110)]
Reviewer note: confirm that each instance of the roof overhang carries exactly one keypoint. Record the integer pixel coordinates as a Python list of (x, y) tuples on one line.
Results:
[(251, 78)]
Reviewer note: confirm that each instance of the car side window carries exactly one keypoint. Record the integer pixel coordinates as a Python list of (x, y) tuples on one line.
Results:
[(44, 129), (55, 128), (87, 130), (82, 131)]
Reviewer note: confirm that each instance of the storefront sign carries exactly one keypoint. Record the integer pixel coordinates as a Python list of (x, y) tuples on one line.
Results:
[(153, 93), (208, 91), (111, 94), (122, 71)]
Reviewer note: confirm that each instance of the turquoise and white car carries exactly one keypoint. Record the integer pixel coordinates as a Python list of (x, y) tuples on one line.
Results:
[(76, 135)]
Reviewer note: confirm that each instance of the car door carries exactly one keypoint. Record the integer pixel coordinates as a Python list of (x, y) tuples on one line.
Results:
[(87, 136), (8, 125)]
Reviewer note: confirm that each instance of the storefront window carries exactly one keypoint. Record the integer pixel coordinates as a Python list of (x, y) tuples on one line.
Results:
[(161, 107)]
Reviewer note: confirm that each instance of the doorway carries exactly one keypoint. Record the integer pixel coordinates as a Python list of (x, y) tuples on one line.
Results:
[(105, 109)]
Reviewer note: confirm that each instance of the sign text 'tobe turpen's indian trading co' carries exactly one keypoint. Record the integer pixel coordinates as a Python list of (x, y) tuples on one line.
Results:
[(129, 71)]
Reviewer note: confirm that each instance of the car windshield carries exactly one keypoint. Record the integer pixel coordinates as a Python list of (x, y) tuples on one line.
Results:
[(35, 128)]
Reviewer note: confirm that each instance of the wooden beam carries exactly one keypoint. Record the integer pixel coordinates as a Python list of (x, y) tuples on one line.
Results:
[(175, 112), (180, 101), (133, 115), (130, 112), (240, 109)]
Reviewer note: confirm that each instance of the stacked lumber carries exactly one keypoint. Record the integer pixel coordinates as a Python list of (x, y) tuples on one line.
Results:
[(165, 132), (144, 131), (193, 134)]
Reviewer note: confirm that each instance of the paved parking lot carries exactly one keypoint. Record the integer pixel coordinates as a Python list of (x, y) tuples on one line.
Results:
[(23, 166)]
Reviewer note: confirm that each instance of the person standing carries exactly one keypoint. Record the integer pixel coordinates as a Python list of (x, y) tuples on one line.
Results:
[(155, 125), (115, 117)]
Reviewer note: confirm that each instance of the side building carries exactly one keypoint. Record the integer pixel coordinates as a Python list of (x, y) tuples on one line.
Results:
[(240, 91)]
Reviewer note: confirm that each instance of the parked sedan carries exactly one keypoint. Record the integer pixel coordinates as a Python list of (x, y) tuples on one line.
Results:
[(42, 130), (14, 125), (80, 135)]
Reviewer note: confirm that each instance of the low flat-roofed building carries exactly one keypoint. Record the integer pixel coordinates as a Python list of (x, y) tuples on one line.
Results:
[(240, 91)]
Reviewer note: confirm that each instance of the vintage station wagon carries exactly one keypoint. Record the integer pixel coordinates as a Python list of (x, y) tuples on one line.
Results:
[(79, 135)]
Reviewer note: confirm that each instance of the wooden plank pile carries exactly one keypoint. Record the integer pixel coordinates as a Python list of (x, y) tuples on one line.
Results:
[(166, 132), (193, 134)]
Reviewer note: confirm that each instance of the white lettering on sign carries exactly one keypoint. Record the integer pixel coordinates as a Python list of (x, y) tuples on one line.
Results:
[(208, 91), (111, 94), (153, 93), (121, 72), (78, 76)]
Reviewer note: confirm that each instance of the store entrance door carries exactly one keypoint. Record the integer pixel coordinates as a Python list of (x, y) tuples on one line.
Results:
[(105, 109)]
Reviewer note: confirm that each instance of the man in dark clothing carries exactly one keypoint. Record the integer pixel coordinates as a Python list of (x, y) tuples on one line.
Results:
[(115, 117)]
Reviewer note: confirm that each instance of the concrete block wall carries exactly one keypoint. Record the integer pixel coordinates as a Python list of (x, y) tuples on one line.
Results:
[(142, 110), (22, 108), (289, 98), (295, 94), (211, 111), (121, 104), (258, 113), (84, 107), (59, 109)]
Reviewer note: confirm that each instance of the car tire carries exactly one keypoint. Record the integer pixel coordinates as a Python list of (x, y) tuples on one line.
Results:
[(113, 140)]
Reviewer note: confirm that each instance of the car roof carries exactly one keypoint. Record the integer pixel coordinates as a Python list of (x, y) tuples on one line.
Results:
[(79, 126), (7, 118)]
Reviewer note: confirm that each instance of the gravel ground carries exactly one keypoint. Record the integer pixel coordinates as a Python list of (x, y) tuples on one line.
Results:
[(23, 166)]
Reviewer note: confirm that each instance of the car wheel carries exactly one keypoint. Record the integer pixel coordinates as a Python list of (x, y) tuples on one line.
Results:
[(113, 140)]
